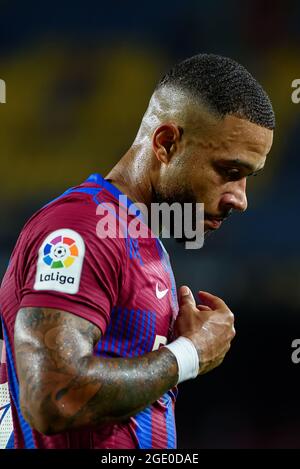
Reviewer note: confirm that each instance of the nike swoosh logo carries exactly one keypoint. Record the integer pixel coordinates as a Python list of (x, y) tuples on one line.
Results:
[(160, 293)]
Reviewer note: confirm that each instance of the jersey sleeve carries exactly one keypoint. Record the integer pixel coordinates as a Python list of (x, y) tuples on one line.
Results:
[(67, 266)]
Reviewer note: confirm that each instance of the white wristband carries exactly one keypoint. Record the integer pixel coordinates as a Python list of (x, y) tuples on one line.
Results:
[(187, 358)]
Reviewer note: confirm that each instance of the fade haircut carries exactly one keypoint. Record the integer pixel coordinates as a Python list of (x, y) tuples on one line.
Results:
[(224, 86)]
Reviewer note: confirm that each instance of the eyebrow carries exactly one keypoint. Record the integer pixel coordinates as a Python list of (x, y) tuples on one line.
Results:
[(243, 164)]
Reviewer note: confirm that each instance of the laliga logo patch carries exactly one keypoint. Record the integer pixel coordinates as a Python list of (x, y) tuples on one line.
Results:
[(60, 252), (60, 262)]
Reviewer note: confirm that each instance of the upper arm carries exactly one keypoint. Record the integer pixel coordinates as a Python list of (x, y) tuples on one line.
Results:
[(66, 266), (50, 349)]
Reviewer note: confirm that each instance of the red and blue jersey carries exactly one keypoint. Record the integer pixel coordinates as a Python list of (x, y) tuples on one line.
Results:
[(123, 285)]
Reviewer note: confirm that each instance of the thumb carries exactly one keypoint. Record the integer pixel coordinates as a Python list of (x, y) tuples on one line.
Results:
[(186, 297)]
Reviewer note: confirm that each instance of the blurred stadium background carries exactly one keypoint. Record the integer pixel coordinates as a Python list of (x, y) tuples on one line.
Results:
[(78, 76)]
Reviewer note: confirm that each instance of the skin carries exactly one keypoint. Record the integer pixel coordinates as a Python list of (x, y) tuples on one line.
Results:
[(64, 386), (182, 152)]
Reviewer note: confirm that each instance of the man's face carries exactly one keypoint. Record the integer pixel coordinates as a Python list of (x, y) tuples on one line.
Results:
[(211, 166)]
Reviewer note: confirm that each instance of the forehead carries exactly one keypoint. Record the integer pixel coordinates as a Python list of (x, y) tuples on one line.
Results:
[(235, 135)]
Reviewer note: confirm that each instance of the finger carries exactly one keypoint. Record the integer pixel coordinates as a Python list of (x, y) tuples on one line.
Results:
[(214, 302), (186, 297), (203, 308)]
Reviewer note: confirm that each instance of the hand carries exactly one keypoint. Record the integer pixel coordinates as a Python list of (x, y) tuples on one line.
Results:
[(210, 326)]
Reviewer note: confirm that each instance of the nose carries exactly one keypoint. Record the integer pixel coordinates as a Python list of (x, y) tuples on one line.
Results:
[(235, 198)]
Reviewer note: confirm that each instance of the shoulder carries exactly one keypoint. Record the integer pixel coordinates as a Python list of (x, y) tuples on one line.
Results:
[(73, 220)]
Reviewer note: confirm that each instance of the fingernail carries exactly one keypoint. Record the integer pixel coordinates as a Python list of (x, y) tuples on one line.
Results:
[(185, 291)]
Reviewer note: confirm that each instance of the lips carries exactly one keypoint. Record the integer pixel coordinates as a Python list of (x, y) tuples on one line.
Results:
[(213, 223)]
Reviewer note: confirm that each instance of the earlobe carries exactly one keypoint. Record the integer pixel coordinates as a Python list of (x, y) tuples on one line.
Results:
[(162, 155)]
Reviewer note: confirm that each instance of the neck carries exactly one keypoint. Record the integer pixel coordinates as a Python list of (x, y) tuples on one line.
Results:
[(131, 175)]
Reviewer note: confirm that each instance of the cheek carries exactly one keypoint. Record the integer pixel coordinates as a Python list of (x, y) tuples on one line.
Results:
[(179, 172), (172, 182), (203, 183), (207, 189)]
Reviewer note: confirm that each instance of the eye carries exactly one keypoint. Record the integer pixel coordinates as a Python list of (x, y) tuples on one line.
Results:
[(233, 174)]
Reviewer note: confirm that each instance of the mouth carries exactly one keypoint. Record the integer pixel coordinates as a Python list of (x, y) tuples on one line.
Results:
[(213, 223)]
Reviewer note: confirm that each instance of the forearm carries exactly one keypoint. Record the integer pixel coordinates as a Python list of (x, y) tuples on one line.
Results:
[(63, 385), (113, 389)]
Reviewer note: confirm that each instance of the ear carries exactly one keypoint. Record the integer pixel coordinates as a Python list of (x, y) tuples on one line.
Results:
[(165, 140)]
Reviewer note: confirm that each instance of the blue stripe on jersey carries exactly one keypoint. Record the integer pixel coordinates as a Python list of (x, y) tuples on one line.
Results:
[(86, 190), (98, 179), (134, 250), (116, 329), (129, 333), (141, 344), (5, 409), (146, 347), (133, 350), (11, 442), (153, 318), (144, 428), (130, 248), (170, 422), (139, 340), (14, 391), (132, 244), (124, 316)]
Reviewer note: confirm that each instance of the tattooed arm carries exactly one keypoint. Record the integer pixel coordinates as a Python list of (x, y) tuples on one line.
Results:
[(63, 386)]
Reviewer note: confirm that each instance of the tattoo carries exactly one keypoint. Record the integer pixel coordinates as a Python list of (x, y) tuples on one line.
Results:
[(63, 385)]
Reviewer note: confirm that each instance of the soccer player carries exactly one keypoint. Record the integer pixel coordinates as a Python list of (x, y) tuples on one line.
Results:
[(96, 341)]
